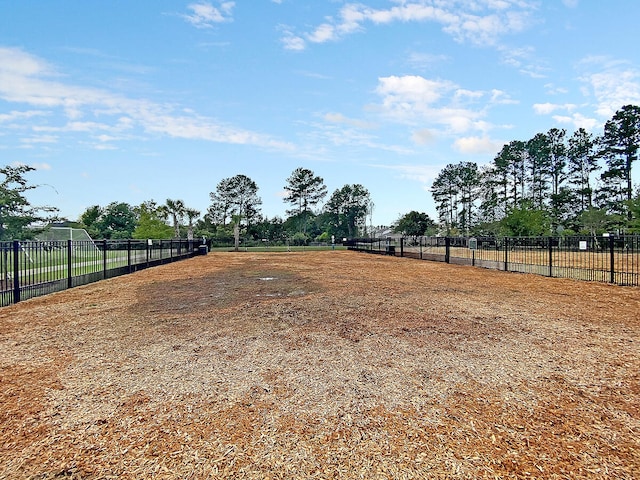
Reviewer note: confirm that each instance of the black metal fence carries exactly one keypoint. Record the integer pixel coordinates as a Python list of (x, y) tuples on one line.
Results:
[(33, 268), (611, 259)]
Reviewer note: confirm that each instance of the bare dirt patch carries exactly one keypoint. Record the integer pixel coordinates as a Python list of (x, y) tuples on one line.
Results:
[(322, 365)]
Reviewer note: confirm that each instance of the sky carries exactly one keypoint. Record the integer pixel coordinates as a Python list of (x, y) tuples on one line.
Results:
[(130, 101)]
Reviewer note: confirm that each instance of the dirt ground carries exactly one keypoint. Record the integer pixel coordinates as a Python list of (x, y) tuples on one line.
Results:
[(322, 365)]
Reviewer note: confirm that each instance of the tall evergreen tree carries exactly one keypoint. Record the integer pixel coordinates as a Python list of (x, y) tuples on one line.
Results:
[(539, 160), (582, 162), (619, 147), (561, 197), (304, 191), (514, 155), (491, 208), (445, 193), (468, 180), (235, 196), (347, 209)]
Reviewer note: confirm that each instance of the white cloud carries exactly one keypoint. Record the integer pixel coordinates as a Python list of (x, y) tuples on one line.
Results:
[(39, 139), (421, 61), (205, 15), (577, 121), (499, 97), (16, 115), (549, 108), (423, 136), (423, 174), (25, 79), (477, 145), (523, 60), (291, 41), (611, 83), (336, 134), (322, 33), (415, 100), (552, 89), (480, 21), (339, 118), (412, 90)]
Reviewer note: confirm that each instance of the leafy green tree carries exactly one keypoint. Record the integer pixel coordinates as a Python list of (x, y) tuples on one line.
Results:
[(415, 224), (347, 210), (151, 222), (204, 227), (89, 220), (292, 225), (271, 230), (117, 221), (526, 221), (594, 220), (298, 239), (634, 212), (17, 215)]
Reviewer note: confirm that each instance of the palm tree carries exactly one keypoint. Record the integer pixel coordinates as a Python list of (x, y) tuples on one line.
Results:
[(191, 215), (176, 209)]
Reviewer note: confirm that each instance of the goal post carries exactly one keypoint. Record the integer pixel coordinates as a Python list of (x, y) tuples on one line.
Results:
[(61, 234)]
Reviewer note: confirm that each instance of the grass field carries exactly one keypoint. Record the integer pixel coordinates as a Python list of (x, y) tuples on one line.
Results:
[(329, 364)]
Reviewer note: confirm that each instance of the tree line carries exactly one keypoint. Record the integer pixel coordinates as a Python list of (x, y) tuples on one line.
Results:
[(554, 183), (234, 213)]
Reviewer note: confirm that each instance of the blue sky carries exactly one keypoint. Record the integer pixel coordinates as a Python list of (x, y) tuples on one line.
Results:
[(152, 99)]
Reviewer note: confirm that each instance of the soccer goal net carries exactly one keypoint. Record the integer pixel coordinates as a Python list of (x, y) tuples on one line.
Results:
[(58, 234)]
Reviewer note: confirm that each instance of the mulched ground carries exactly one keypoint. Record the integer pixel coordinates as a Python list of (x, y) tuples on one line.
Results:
[(322, 365)]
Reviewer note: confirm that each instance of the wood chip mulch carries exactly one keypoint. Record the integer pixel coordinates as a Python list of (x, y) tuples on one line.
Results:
[(322, 365)]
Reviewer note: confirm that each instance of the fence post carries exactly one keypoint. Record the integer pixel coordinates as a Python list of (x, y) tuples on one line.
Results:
[(129, 256), (550, 239), (421, 238), (447, 249), (402, 246), (612, 259), (69, 264), (506, 254), (104, 258), (16, 272)]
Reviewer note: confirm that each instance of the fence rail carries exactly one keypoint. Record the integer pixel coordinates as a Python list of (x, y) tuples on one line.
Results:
[(612, 259), (33, 268)]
